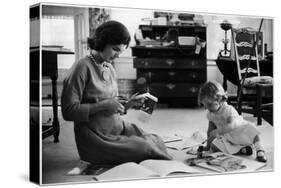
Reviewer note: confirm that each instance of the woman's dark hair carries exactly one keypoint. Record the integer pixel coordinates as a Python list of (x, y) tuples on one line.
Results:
[(110, 32)]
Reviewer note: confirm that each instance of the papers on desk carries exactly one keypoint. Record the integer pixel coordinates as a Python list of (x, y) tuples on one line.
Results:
[(183, 143)]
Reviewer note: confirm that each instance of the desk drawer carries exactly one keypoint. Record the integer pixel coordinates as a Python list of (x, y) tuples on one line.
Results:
[(168, 63), (174, 90), (172, 75), (142, 51)]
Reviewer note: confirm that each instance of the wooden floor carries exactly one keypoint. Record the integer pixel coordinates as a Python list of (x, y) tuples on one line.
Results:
[(59, 158)]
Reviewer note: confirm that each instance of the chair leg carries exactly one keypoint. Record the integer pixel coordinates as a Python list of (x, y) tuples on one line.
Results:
[(239, 103), (258, 105)]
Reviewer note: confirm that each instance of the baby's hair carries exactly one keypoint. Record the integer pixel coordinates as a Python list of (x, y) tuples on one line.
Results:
[(212, 90)]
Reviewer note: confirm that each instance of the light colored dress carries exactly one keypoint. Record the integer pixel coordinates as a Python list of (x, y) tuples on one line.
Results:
[(103, 138), (243, 132)]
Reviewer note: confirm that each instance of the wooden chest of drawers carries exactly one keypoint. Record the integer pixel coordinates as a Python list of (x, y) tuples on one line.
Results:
[(173, 74)]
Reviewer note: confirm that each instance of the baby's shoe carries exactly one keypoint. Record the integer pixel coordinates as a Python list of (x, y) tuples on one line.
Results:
[(247, 150), (261, 156)]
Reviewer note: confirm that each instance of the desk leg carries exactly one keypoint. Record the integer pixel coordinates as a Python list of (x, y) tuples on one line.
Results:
[(56, 125)]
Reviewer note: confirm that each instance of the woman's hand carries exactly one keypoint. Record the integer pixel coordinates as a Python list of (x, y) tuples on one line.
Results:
[(114, 106), (135, 101)]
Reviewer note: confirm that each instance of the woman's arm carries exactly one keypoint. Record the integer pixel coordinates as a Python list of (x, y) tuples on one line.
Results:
[(110, 105), (73, 89), (73, 86)]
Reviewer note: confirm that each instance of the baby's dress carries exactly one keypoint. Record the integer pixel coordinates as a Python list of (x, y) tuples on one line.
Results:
[(243, 132)]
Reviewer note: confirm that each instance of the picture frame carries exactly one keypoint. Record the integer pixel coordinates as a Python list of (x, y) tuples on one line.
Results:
[(45, 94)]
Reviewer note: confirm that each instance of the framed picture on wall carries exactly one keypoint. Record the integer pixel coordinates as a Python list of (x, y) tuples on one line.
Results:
[(117, 94)]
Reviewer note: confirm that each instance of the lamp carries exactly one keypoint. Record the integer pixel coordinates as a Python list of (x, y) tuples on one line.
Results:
[(225, 25)]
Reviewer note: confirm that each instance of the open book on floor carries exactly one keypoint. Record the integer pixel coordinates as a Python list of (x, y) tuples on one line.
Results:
[(221, 162), (145, 169)]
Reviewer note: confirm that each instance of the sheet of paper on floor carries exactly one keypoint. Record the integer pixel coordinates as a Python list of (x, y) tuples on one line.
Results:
[(187, 142)]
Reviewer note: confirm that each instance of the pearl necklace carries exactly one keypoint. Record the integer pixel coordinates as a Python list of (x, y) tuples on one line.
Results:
[(105, 70), (92, 57)]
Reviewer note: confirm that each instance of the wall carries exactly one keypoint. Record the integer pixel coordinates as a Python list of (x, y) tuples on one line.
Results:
[(132, 18), (215, 34)]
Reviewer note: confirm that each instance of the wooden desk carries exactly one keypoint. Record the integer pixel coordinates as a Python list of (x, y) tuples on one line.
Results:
[(228, 68), (172, 73), (50, 70)]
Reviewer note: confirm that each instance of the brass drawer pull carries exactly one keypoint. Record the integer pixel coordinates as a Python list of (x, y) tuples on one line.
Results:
[(170, 62), (149, 75), (145, 63), (193, 63), (170, 86), (193, 75), (171, 73), (193, 89)]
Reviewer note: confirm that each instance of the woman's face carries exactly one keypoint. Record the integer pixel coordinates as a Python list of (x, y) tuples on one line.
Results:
[(112, 52)]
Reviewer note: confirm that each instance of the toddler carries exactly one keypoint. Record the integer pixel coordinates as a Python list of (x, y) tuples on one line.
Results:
[(227, 130)]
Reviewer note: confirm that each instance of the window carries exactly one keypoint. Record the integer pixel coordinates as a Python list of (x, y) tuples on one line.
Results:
[(59, 31)]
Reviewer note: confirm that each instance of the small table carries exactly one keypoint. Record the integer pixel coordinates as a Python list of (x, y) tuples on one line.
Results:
[(50, 70)]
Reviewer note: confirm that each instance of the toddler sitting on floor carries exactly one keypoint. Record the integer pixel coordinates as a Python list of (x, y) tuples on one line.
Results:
[(227, 130)]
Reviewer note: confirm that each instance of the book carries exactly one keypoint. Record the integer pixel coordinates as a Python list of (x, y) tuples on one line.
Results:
[(149, 102), (147, 107), (146, 169), (222, 162)]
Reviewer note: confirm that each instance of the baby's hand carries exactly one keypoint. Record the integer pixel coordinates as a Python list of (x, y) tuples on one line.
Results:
[(206, 148)]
